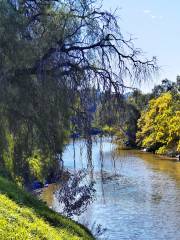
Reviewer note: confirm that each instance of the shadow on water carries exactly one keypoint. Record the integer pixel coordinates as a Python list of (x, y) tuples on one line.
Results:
[(137, 194)]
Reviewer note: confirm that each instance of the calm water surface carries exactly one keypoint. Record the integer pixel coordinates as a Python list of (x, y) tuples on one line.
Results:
[(138, 194)]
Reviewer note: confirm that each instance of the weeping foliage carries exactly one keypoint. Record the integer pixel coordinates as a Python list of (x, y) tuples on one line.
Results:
[(34, 127), (51, 52)]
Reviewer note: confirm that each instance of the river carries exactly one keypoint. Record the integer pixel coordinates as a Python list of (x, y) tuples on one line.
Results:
[(137, 194)]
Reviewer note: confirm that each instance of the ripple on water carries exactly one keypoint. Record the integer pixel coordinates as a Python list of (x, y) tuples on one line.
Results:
[(138, 195)]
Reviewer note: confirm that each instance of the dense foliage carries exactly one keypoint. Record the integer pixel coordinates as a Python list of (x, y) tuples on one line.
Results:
[(51, 53), (160, 125), (118, 115), (147, 120)]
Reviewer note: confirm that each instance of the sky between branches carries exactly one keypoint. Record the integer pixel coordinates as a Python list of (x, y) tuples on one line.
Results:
[(155, 26)]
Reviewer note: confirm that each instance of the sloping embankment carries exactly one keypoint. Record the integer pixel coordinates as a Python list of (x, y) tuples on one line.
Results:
[(23, 216)]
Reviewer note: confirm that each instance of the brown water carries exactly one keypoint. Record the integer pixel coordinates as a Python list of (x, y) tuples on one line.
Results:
[(138, 194)]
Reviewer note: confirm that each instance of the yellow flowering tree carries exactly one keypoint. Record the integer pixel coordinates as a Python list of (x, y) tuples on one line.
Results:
[(159, 125)]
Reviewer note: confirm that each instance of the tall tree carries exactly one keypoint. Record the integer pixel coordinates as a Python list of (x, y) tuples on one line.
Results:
[(50, 52)]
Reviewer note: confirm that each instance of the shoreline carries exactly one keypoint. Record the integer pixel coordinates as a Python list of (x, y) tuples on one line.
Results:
[(146, 152)]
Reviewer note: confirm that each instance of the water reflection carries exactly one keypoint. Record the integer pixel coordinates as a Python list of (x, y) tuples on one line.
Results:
[(138, 194), (89, 156), (101, 160)]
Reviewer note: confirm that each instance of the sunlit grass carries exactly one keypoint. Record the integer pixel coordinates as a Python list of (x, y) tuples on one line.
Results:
[(22, 216)]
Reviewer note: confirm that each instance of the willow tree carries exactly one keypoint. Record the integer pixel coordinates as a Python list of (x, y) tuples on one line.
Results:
[(50, 52)]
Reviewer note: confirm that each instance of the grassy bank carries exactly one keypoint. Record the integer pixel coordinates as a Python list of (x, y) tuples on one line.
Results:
[(23, 216)]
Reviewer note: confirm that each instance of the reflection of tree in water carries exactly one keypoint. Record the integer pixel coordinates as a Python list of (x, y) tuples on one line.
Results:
[(85, 148), (101, 159), (88, 144), (75, 194), (101, 156), (74, 154), (81, 154), (113, 156), (107, 176), (89, 155)]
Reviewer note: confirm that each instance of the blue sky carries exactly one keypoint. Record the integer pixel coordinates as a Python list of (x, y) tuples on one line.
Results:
[(155, 25)]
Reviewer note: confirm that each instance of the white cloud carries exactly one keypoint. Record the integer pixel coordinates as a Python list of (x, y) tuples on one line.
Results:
[(147, 11), (151, 15), (156, 17)]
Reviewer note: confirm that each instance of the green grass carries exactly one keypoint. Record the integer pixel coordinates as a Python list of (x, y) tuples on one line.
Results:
[(23, 216)]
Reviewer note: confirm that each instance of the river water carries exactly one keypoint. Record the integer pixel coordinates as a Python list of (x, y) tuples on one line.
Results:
[(137, 194)]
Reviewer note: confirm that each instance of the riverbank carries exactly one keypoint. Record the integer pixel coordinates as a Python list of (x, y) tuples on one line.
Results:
[(167, 157), (162, 157), (23, 216)]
